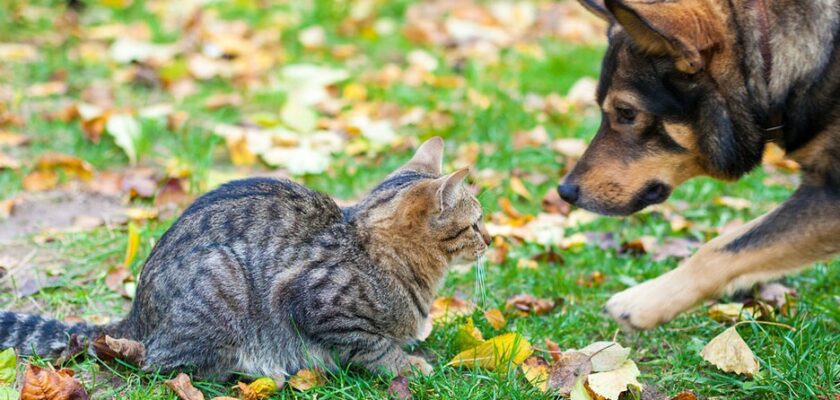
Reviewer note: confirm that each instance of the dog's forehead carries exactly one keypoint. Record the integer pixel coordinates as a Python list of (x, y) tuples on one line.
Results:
[(626, 69)]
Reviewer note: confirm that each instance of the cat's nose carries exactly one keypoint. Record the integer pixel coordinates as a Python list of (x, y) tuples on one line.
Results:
[(569, 192)]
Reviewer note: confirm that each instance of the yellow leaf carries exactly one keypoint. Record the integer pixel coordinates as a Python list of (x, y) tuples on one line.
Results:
[(496, 353), (354, 92), (259, 389), (730, 353), (611, 384), (445, 309), (133, 244), (306, 379), (519, 188), (495, 318), (535, 370), (140, 214), (579, 391), (467, 336), (728, 312)]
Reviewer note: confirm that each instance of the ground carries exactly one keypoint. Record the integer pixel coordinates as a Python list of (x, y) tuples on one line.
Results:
[(495, 80)]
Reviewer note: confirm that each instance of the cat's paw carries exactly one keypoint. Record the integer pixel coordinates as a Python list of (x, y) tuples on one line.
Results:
[(420, 365)]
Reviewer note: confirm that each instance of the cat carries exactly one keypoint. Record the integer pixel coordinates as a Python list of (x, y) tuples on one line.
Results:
[(265, 277)]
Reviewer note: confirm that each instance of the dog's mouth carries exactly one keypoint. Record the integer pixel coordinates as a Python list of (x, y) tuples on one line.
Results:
[(654, 192)]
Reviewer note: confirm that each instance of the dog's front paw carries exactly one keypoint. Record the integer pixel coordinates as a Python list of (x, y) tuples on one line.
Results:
[(419, 364), (651, 303)]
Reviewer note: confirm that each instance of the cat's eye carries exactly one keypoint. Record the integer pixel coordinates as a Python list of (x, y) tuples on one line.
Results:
[(625, 115)]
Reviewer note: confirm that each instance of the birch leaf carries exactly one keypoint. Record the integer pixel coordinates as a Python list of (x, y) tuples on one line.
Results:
[(730, 353)]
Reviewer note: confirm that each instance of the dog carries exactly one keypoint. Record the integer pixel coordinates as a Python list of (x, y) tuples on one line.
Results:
[(699, 87)]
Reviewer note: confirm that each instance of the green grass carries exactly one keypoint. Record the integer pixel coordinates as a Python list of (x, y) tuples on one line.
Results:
[(794, 364)]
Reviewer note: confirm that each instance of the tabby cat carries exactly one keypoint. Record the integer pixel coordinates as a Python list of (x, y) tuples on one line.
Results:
[(265, 277)]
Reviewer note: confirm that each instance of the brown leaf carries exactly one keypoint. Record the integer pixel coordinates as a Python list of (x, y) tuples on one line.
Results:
[(182, 386), (564, 373), (174, 191), (519, 188), (116, 277), (685, 396), (674, 247), (6, 207), (47, 384), (495, 318), (553, 350), (39, 181), (553, 204), (399, 388), (11, 139), (445, 309), (72, 166), (508, 208), (108, 348), (306, 379), (525, 304)]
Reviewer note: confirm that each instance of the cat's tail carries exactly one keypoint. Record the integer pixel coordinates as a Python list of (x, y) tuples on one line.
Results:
[(45, 337)]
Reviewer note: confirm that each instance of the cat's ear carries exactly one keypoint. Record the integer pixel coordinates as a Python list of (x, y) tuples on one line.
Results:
[(428, 158), (450, 187)]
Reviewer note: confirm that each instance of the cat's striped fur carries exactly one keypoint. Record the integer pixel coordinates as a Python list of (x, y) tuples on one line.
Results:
[(266, 277)]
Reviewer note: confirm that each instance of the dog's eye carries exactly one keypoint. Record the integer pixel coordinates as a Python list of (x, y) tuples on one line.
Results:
[(625, 115)]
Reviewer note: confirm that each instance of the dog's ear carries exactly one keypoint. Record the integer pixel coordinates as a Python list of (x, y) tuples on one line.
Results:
[(682, 29), (597, 7), (730, 150)]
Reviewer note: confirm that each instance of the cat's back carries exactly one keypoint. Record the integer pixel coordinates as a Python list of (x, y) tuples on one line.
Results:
[(253, 210)]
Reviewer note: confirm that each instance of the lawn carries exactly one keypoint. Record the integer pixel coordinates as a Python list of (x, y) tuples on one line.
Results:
[(157, 94)]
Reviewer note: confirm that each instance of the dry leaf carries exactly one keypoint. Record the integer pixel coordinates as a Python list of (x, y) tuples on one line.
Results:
[(11, 139), (611, 384), (46, 384), (496, 353), (399, 388), (569, 367), (730, 353), (140, 214), (9, 162), (108, 348), (495, 318), (519, 188), (116, 277), (6, 207), (445, 309), (70, 165), (39, 181), (733, 202), (535, 370), (306, 379), (553, 349), (606, 356), (685, 396), (126, 131), (183, 387), (467, 336), (259, 389), (726, 313), (525, 304)]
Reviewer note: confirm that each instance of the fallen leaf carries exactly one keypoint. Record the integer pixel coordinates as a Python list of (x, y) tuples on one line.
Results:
[(571, 148), (116, 277), (730, 353), (11, 139), (735, 203), (495, 318), (553, 204), (299, 117), (398, 389), (535, 370), (495, 353), (445, 309), (526, 304), (39, 181), (519, 188), (306, 379), (141, 214), (259, 389), (126, 131), (727, 312), (70, 165), (467, 336), (47, 384), (182, 386), (611, 384), (606, 356), (579, 391), (9, 162), (174, 191), (8, 366), (108, 348), (553, 349), (132, 245), (568, 369), (6, 207), (685, 396), (673, 247)]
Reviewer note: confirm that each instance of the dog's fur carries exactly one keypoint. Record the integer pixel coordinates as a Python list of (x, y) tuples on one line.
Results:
[(685, 91)]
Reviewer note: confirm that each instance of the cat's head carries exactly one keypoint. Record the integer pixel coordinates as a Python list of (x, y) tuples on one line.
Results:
[(418, 206)]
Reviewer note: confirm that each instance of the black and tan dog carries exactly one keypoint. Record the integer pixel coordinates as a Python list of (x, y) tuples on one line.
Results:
[(698, 87)]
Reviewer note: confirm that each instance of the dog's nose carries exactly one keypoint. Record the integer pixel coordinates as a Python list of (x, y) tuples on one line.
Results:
[(569, 192)]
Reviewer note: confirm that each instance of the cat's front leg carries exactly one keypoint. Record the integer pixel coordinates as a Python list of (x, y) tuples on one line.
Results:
[(383, 355)]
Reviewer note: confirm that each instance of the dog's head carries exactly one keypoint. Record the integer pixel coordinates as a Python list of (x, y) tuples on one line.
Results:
[(667, 90)]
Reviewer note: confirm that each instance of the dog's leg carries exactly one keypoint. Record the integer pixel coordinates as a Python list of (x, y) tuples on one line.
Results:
[(801, 231)]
